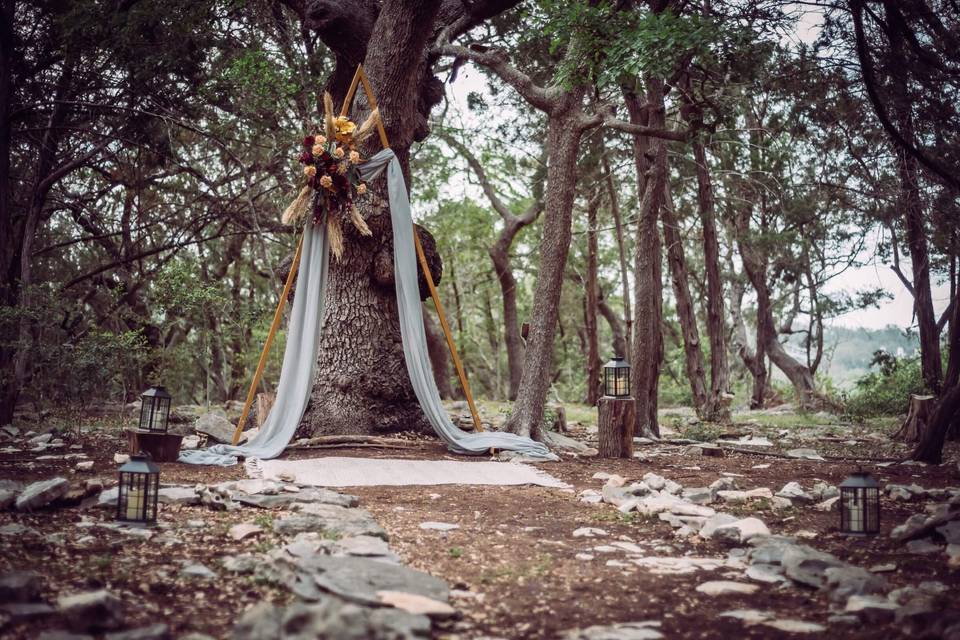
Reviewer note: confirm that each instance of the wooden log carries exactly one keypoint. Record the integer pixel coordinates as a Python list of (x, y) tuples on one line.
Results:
[(162, 447), (615, 427), (918, 417), (264, 404)]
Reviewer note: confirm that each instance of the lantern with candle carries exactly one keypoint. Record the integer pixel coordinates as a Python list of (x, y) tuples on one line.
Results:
[(859, 505), (138, 491), (616, 378)]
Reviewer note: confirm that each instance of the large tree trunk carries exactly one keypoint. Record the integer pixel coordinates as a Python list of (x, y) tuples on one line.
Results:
[(362, 385), (8, 278), (693, 356), (647, 352), (563, 140), (946, 416), (717, 406), (592, 296)]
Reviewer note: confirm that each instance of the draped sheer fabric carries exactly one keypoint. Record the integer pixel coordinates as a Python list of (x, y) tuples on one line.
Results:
[(303, 340)]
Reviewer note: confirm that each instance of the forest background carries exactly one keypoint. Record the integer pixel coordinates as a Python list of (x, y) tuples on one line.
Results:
[(148, 148)]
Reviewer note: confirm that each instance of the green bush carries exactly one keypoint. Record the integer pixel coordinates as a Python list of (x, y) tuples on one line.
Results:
[(886, 391)]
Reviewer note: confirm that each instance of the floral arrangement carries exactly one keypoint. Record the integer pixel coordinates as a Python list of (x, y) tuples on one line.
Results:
[(331, 168)]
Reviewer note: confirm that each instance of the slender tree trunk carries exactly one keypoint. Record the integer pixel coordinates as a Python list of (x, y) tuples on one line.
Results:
[(621, 253), (439, 354), (500, 256), (619, 342), (753, 361), (912, 208), (677, 262), (647, 354), (590, 307), (946, 416), (716, 407), (563, 139)]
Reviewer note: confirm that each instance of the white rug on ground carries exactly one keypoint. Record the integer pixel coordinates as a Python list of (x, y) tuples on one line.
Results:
[(370, 472)]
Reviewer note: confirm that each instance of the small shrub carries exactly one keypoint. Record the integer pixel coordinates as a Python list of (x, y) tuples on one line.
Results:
[(886, 391)]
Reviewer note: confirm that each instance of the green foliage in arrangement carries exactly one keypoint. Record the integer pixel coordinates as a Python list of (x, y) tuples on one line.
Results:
[(886, 391)]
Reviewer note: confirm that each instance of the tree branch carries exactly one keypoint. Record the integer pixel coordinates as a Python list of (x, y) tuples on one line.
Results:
[(499, 63)]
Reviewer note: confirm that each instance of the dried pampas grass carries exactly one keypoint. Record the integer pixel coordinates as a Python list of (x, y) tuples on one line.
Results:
[(335, 237), (359, 222), (368, 126), (328, 114), (297, 208)]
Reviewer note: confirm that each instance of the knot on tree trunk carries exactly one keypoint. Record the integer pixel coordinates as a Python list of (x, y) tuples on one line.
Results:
[(381, 271)]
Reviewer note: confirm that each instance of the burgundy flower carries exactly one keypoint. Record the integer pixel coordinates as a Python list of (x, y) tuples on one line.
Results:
[(308, 141), (306, 157)]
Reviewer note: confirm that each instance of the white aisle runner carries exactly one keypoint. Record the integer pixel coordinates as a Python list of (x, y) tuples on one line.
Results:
[(369, 472)]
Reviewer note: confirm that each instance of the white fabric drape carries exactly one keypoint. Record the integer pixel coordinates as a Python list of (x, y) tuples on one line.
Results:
[(303, 338)]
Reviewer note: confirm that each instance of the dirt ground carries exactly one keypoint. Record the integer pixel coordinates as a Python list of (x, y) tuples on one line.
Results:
[(513, 554)]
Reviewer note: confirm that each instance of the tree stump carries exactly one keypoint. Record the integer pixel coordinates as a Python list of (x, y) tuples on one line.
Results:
[(918, 417), (615, 432)]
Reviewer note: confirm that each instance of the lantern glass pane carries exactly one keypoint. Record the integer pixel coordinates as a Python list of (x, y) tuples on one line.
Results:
[(146, 412), (137, 498), (160, 418), (853, 510), (872, 503)]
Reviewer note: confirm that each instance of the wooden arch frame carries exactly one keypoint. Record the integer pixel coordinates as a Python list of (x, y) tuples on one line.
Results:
[(360, 77)]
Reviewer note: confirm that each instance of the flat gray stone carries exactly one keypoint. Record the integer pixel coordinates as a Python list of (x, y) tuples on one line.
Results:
[(871, 609), (794, 626), (850, 580), (178, 495), (40, 494), (23, 611), (923, 547), (20, 586), (60, 634), (359, 579), (158, 631), (337, 520), (766, 573), (793, 492), (91, 610), (363, 546), (712, 523), (198, 571), (439, 526), (306, 495), (741, 530), (950, 532), (808, 566), (622, 631), (726, 587), (804, 454)]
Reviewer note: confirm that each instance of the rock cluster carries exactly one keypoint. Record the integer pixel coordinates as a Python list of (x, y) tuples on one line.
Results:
[(926, 533)]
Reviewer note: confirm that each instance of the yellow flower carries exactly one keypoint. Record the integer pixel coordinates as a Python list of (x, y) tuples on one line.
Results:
[(310, 171), (326, 181), (343, 128), (361, 189), (338, 152), (354, 157), (317, 149)]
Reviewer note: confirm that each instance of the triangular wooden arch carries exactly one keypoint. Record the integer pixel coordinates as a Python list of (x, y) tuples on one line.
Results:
[(360, 77)]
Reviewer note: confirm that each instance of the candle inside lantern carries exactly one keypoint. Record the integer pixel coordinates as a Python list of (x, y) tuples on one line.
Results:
[(620, 386), (857, 522), (135, 498)]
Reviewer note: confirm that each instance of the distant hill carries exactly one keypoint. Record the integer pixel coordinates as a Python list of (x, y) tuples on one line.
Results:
[(848, 352)]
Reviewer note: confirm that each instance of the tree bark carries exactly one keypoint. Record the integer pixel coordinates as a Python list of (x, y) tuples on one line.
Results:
[(647, 352), (361, 384), (615, 427), (439, 354), (591, 303), (621, 253), (716, 408), (9, 290), (693, 356), (563, 139), (917, 420), (752, 360)]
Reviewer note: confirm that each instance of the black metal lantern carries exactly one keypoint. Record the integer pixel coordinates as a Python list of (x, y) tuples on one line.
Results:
[(154, 410), (616, 378), (860, 505), (138, 491)]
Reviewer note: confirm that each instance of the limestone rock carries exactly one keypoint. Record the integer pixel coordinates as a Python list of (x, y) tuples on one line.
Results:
[(588, 532), (741, 530), (789, 625), (621, 631), (698, 495), (871, 609), (20, 586), (804, 454), (850, 580), (91, 610), (216, 427), (417, 604), (808, 566), (244, 530), (793, 492), (39, 494), (178, 495), (158, 631), (198, 571), (712, 523), (726, 587), (439, 526)]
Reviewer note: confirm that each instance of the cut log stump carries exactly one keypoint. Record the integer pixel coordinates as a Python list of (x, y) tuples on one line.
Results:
[(615, 427), (918, 417)]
